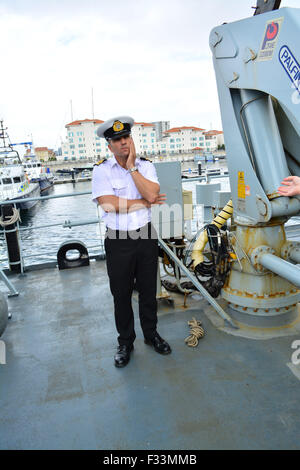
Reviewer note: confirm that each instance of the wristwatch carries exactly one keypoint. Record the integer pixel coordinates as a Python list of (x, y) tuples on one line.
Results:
[(133, 169)]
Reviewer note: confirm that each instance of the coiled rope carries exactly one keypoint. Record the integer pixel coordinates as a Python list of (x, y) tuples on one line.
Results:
[(14, 218), (196, 333)]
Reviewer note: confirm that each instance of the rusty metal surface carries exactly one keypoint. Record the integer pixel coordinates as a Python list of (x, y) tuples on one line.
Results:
[(252, 288)]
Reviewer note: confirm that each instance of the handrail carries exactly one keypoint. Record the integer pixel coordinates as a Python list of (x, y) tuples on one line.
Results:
[(65, 224)]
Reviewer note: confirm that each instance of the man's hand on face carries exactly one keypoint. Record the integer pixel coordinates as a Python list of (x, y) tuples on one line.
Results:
[(130, 163)]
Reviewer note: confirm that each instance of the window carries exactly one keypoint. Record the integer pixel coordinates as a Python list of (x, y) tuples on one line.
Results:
[(152, 134), (72, 146), (172, 140), (178, 140), (172, 146), (71, 140)]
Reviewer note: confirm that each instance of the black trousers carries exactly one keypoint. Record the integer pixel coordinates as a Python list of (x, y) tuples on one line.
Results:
[(133, 256)]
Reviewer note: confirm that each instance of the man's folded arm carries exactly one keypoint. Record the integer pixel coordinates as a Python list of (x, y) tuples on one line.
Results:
[(111, 203)]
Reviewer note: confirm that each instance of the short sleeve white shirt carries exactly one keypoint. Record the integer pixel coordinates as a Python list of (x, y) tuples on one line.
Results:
[(109, 178)]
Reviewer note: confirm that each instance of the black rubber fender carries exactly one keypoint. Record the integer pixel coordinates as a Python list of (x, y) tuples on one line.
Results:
[(82, 260)]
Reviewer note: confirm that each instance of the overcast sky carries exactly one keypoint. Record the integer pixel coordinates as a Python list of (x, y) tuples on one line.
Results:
[(149, 59)]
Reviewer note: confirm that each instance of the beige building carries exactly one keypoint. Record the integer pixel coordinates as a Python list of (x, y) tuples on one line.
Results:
[(43, 153)]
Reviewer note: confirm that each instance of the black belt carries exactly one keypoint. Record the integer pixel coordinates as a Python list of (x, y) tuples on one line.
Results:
[(126, 233)]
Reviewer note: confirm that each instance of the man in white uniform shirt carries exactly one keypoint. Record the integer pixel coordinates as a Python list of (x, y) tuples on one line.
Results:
[(126, 187)]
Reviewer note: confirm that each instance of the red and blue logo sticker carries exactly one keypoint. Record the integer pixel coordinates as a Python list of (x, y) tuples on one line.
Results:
[(270, 39)]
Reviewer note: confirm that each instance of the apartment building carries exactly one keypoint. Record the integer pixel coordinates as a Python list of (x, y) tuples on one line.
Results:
[(214, 139), (82, 142), (183, 139), (144, 137)]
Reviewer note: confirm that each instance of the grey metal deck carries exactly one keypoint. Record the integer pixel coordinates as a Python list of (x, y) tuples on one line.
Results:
[(60, 389)]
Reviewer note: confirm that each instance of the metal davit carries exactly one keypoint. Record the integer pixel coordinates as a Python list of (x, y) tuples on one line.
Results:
[(258, 79)]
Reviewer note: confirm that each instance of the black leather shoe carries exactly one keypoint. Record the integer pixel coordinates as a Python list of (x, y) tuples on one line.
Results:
[(160, 345), (122, 356)]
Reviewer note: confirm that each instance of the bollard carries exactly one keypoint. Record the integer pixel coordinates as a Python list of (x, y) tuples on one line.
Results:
[(12, 239)]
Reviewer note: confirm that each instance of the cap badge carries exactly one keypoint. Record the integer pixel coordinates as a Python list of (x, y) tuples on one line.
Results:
[(118, 126)]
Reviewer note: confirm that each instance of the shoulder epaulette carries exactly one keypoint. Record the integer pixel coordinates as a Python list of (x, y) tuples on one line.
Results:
[(143, 158), (100, 161)]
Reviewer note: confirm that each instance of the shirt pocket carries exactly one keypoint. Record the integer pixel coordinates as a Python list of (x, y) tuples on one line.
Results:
[(120, 187)]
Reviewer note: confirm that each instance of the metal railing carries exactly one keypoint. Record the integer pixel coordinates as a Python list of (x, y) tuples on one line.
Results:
[(66, 224)]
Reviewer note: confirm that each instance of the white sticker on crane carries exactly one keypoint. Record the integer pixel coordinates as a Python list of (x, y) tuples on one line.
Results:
[(290, 65)]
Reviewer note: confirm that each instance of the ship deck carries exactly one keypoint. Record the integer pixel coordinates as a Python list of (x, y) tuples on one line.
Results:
[(59, 388)]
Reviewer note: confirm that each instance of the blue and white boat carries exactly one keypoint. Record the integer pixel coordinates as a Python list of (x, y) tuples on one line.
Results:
[(37, 173), (14, 183)]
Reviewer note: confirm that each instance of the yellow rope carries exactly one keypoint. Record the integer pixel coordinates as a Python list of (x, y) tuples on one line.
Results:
[(197, 332), (219, 220)]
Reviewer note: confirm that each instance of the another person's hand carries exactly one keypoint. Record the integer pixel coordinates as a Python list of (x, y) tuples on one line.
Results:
[(291, 186), (130, 163), (160, 199)]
